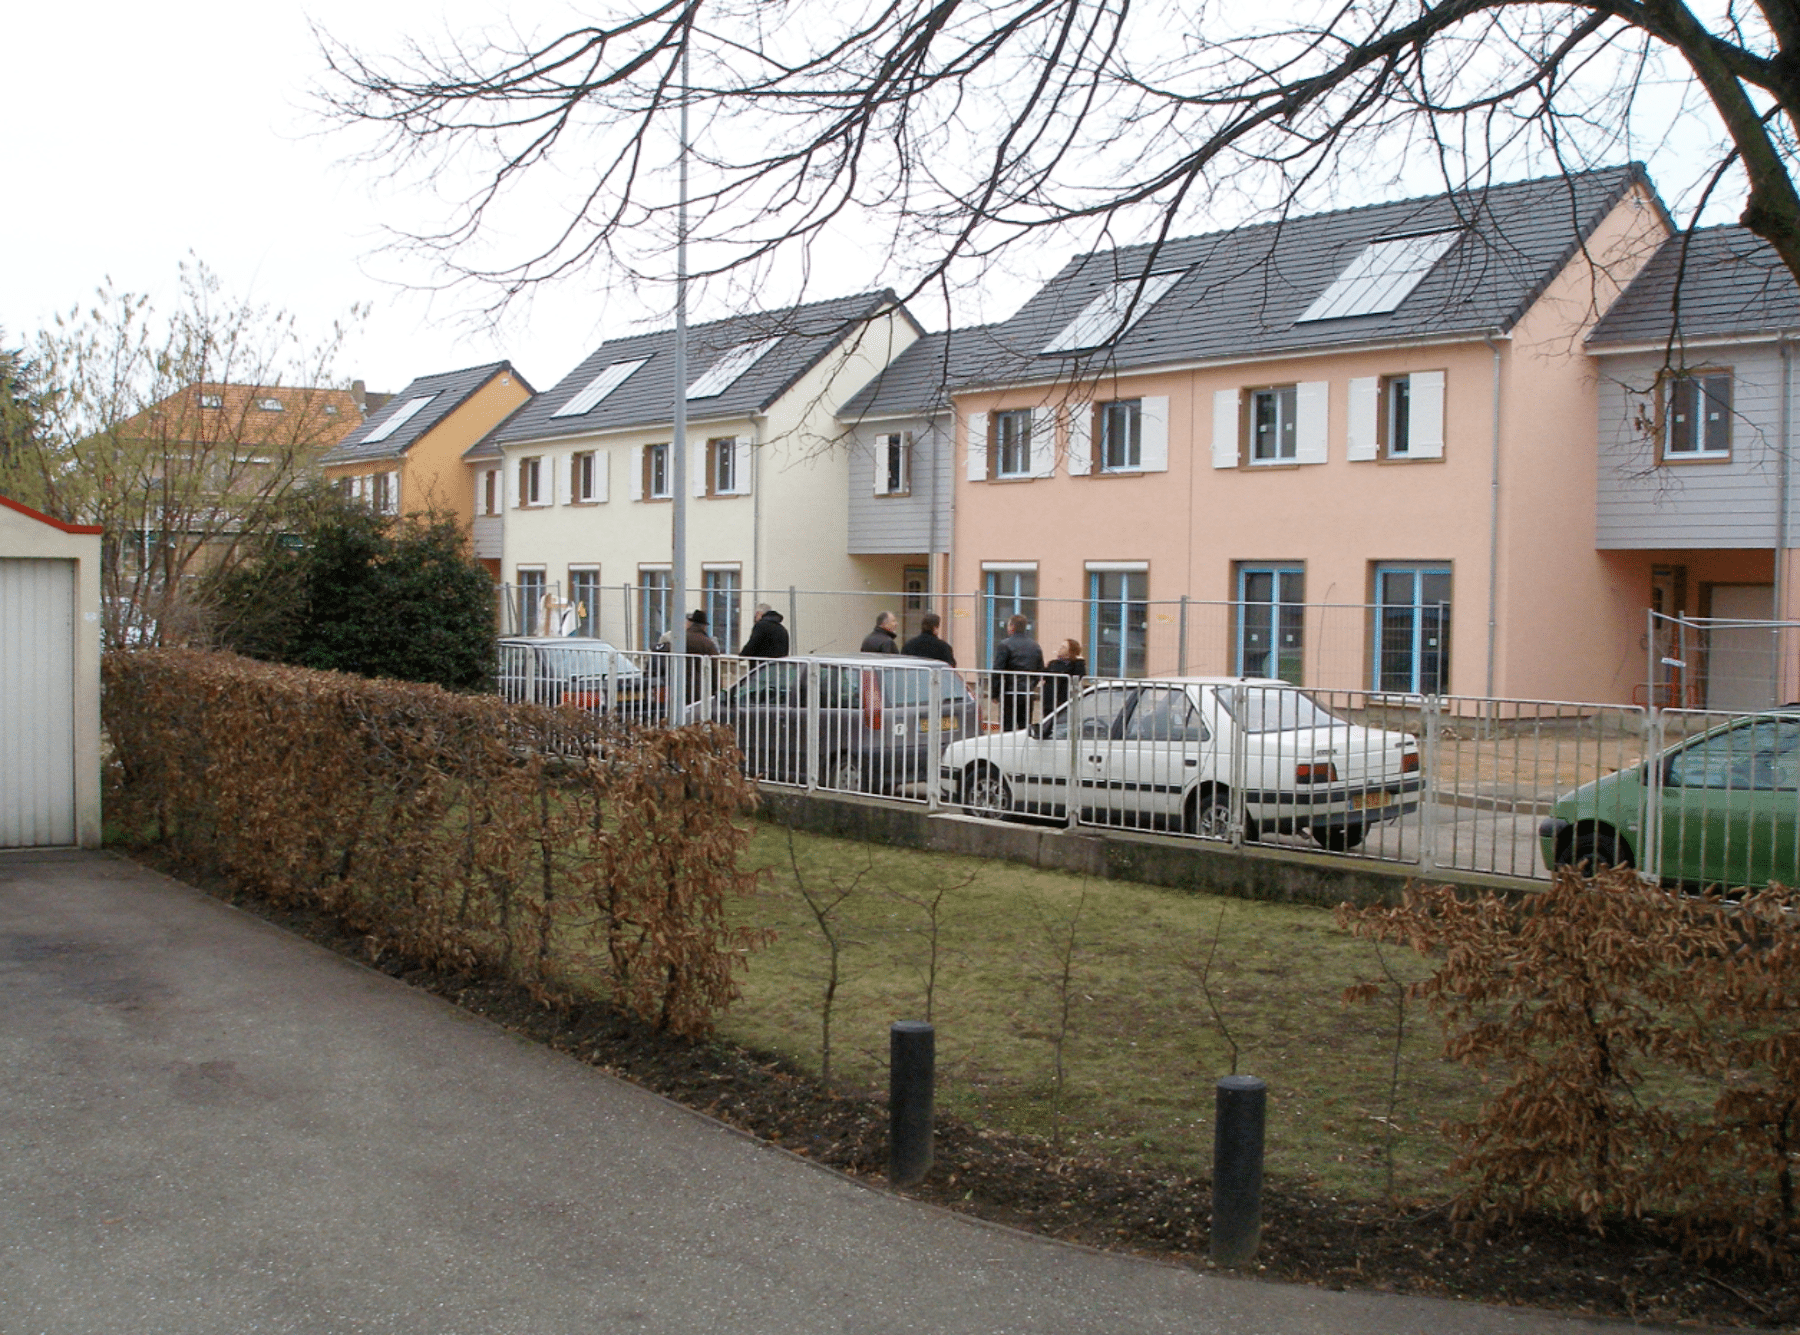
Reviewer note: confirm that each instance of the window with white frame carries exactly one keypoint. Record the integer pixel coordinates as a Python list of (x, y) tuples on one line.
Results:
[(1274, 417), (385, 493), (1697, 416), (584, 599), (271, 405), (656, 472), (1396, 416), (1012, 443), (893, 464), (655, 605), (1121, 426), (1271, 616), (490, 491), (529, 594), (1008, 591), (582, 487), (531, 481), (722, 596), (721, 466)]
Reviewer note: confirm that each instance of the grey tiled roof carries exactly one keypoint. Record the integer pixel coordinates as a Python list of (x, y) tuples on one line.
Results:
[(1242, 292), (807, 334), (448, 391), (919, 380), (1728, 279)]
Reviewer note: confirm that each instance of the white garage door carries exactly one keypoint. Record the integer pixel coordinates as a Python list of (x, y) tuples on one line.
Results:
[(37, 703)]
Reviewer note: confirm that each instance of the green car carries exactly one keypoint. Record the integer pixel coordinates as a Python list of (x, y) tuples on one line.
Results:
[(1727, 811)]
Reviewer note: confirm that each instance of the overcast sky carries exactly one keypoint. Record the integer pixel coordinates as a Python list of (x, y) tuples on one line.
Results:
[(137, 134)]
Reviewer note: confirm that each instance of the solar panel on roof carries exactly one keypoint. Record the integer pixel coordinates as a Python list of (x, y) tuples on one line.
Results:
[(408, 410), (1380, 277), (1105, 319), (598, 388), (722, 374)]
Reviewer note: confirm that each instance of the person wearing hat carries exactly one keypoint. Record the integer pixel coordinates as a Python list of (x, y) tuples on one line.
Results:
[(700, 646)]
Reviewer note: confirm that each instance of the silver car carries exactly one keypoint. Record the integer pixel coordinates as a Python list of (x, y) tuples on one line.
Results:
[(873, 713), (554, 670)]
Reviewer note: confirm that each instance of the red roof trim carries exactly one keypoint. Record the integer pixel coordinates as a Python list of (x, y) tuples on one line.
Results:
[(29, 513)]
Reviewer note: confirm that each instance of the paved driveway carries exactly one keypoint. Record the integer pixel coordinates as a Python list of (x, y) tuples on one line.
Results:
[(208, 1125)]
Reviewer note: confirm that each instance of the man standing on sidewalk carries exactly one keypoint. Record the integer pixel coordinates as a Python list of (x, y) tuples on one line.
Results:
[(885, 638), (926, 643), (1018, 660)]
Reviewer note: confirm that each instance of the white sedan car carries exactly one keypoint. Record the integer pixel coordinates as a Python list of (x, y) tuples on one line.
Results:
[(1167, 754)]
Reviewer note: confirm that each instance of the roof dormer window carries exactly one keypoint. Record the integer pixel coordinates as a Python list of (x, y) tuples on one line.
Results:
[(598, 388), (271, 405), (212, 400), (1106, 318), (1382, 275), (724, 373)]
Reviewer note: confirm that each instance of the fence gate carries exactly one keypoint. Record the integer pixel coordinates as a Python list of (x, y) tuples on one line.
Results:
[(37, 703)]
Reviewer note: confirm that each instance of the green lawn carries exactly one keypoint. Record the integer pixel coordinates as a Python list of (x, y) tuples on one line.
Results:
[(1141, 1050)]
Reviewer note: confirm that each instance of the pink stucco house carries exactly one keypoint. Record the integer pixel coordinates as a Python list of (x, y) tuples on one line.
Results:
[(1361, 444)]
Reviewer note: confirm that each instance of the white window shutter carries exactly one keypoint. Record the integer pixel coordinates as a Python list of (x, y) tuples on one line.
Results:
[(1081, 439), (1426, 421), (1153, 420), (697, 479), (1226, 448), (602, 474), (561, 490), (636, 480), (1365, 415), (503, 486), (975, 434), (1312, 421), (1043, 445), (394, 492), (881, 459), (740, 466)]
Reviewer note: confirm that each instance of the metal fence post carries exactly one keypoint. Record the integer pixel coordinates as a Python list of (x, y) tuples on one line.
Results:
[(1072, 794), (934, 737), (1429, 727), (1650, 855), (1181, 655), (793, 619), (812, 727), (1240, 701)]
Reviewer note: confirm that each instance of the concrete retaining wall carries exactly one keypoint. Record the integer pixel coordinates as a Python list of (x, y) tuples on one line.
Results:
[(1284, 875)]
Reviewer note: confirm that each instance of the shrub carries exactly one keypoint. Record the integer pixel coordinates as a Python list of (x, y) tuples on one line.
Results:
[(459, 831), (1646, 1045)]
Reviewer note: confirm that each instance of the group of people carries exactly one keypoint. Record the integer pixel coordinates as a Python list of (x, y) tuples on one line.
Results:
[(1020, 671)]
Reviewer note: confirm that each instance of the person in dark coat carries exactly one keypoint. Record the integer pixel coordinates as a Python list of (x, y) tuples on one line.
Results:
[(1015, 657), (926, 643), (768, 637), (699, 648), (885, 638), (1068, 668)]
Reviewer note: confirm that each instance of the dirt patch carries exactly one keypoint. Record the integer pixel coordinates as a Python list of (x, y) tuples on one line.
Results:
[(1633, 1272)]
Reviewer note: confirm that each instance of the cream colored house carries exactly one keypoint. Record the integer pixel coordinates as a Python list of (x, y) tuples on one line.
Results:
[(49, 680), (581, 479)]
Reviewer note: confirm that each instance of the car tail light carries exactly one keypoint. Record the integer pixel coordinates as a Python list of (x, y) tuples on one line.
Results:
[(1409, 763), (1319, 771), (871, 700)]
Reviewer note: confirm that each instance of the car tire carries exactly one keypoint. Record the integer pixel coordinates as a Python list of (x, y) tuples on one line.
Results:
[(1209, 816), (1339, 838), (985, 791), (1593, 850)]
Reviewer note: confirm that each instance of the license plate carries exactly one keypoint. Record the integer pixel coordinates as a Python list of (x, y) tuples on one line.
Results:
[(1363, 801), (949, 724)]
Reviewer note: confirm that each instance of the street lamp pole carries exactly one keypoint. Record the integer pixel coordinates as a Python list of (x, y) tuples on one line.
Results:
[(678, 445)]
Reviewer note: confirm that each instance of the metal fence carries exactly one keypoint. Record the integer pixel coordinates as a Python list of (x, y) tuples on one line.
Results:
[(1722, 663), (1432, 783)]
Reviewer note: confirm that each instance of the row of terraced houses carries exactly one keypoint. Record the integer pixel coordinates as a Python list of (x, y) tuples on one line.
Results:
[(1458, 444)]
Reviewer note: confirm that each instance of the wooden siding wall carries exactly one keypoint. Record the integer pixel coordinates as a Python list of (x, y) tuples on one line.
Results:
[(901, 525), (1642, 503)]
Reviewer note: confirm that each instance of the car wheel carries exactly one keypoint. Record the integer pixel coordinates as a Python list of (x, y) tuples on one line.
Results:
[(1339, 838), (846, 774), (1209, 816), (1594, 850), (985, 791)]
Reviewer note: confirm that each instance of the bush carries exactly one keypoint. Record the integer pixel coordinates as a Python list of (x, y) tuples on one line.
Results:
[(358, 592), (459, 831), (1647, 1046)]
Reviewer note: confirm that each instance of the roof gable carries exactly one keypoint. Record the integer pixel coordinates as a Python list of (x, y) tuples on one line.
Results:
[(1708, 283), (796, 339), (398, 424)]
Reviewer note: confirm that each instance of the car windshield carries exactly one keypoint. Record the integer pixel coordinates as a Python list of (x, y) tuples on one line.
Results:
[(1274, 709)]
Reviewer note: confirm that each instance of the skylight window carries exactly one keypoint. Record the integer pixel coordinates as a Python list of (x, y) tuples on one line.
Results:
[(722, 374), (408, 410), (271, 405), (1381, 277), (598, 388), (1104, 319)]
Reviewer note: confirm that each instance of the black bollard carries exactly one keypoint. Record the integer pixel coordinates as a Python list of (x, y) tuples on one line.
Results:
[(912, 1067), (1237, 1169)]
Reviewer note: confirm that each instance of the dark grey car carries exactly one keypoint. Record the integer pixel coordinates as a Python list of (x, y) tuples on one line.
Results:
[(873, 712)]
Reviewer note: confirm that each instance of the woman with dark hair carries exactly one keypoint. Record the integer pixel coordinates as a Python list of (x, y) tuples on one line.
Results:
[(1063, 672)]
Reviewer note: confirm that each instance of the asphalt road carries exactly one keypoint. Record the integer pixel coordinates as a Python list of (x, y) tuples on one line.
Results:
[(208, 1125)]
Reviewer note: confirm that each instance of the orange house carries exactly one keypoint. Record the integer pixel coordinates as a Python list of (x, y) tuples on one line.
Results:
[(406, 458)]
